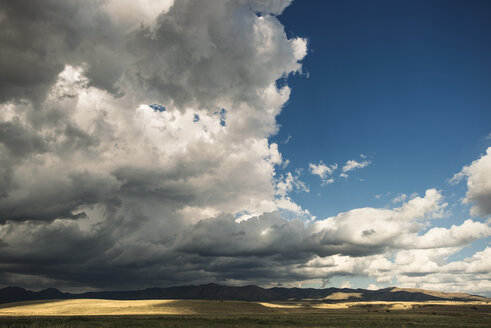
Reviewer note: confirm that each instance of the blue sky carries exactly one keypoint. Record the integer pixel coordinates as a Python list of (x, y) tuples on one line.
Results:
[(407, 83)]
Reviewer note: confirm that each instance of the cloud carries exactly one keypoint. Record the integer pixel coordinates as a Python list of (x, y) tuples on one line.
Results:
[(39, 40), (457, 178), (479, 184), (353, 165), (288, 183), (399, 198), (136, 148), (260, 249), (323, 171), (454, 236), (478, 175), (129, 14), (428, 269), (80, 144)]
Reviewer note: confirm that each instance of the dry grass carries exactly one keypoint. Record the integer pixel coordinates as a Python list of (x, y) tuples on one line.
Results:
[(97, 307), (237, 314), (343, 296), (401, 306), (280, 305), (91, 307)]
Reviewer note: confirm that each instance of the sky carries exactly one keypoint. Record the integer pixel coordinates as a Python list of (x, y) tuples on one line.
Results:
[(276, 143)]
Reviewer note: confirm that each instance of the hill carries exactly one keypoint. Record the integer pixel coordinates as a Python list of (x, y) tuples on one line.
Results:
[(244, 293)]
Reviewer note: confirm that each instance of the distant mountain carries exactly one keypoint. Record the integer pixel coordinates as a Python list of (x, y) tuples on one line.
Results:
[(245, 293), (17, 294)]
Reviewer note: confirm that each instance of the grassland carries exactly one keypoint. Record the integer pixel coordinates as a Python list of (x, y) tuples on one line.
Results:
[(185, 313)]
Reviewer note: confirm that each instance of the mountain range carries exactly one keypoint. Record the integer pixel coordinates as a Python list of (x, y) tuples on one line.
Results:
[(244, 293)]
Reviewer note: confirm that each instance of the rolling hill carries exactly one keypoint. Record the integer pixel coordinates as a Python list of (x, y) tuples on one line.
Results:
[(244, 293)]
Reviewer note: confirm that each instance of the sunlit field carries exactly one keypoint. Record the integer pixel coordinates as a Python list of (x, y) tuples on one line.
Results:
[(185, 313)]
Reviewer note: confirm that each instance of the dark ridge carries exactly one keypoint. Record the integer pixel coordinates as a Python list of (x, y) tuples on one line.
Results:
[(243, 293), (17, 294)]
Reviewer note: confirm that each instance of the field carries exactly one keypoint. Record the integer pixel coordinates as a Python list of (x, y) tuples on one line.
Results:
[(186, 313)]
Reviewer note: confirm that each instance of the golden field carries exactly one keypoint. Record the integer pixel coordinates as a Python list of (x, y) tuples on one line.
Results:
[(98, 307), (84, 313)]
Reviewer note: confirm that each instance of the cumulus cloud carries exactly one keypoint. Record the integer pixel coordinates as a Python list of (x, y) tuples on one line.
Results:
[(81, 145), (129, 14), (285, 184), (399, 198), (261, 249), (478, 175), (352, 164), (323, 171), (82, 130), (429, 269), (357, 232)]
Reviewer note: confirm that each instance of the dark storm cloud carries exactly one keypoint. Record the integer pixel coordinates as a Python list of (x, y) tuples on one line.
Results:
[(179, 62), (74, 257), (127, 245), (19, 140), (38, 38), (54, 197)]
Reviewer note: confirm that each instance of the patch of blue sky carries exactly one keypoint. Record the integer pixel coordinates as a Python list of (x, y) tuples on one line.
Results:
[(157, 107), (223, 116)]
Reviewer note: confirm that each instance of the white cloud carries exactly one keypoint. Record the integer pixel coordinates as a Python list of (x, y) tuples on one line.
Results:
[(457, 178), (353, 165), (478, 175), (130, 14), (399, 198), (479, 184), (454, 236), (323, 171), (283, 186), (328, 181), (367, 230), (430, 269)]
